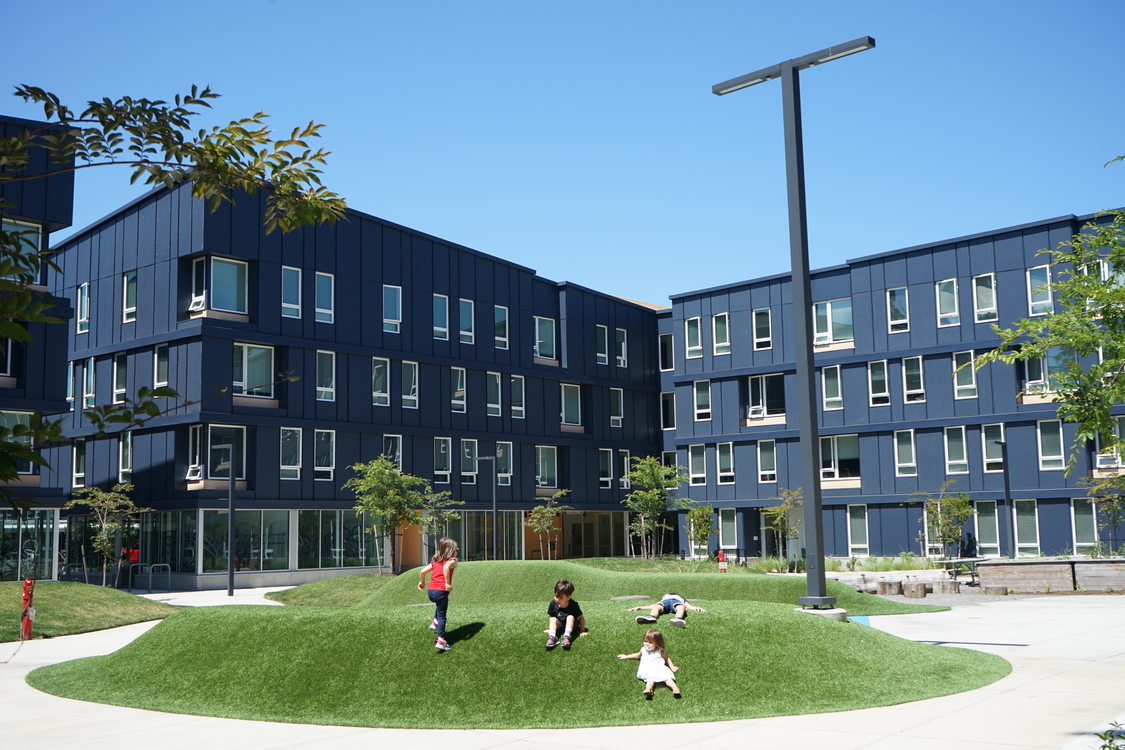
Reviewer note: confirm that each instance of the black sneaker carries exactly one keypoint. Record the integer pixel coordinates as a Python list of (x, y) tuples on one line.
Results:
[(645, 619)]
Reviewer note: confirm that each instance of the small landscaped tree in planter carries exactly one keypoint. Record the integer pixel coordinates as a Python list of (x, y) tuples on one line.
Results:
[(699, 522), (111, 510), (541, 521), (389, 497), (945, 516), (654, 494), (783, 520)]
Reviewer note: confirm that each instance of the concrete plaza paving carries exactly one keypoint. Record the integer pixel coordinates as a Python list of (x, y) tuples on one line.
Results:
[(1067, 681)]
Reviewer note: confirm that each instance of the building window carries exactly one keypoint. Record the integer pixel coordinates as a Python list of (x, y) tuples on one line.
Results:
[(1039, 291), (392, 308), (325, 302), (324, 454), (290, 292), (129, 297), (720, 333), (78, 464), (766, 396), (517, 397), (29, 238), (228, 285), (223, 443), (88, 393), (82, 308), (913, 383), (125, 457), (195, 452), (1050, 445), (492, 394), (839, 457), (668, 410), (964, 375), (500, 326), (1108, 453), (697, 464), (546, 474), (545, 338), (830, 385), (767, 461), (905, 463), (616, 407), (724, 456), (621, 347), (832, 321), (160, 365), (380, 381), (702, 400), (1044, 372), (409, 390), (623, 457), (503, 463), (693, 339), (441, 317), (898, 310), (763, 335), (667, 352), (992, 438), (956, 456), (1084, 520), (69, 384), (947, 309), (198, 285), (605, 468), (601, 345), (457, 389), (468, 462), (571, 404), (253, 370), (120, 373), (878, 388), (10, 420), (1027, 528), (442, 462), (290, 465), (466, 310), (325, 376), (984, 298), (987, 528), (857, 531), (728, 529), (392, 449)]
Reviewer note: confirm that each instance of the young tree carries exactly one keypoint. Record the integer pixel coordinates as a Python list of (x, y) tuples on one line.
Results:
[(541, 521), (784, 519), (111, 510), (654, 495), (390, 497), (699, 522), (945, 516), (436, 512), (157, 140)]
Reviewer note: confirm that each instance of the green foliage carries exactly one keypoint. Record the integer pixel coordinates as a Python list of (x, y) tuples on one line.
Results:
[(699, 522), (541, 521), (945, 516), (436, 511), (654, 494), (341, 591), (784, 519), (1114, 737), (389, 497), (111, 510), (63, 608)]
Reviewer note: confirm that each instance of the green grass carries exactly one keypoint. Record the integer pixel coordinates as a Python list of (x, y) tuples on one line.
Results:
[(344, 591), (662, 565), (67, 608)]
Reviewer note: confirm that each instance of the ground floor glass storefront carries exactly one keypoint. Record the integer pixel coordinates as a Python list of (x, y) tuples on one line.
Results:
[(27, 544), (473, 534)]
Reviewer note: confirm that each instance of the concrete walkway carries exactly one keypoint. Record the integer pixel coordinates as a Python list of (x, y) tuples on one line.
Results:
[(1068, 680)]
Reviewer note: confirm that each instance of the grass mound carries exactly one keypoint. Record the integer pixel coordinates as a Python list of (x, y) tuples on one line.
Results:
[(63, 608), (376, 666), (343, 591)]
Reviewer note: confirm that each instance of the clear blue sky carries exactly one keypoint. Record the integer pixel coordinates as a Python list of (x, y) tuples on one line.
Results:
[(582, 139)]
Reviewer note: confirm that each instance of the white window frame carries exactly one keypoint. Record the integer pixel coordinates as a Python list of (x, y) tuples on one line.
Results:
[(1083, 547), (78, 449), (466, 334), (539, 352), (1110, 458), (601, 344), (756, 385), (575, 391), (198, 285), (905, 468), (832, 471), (458, 376), (245, 291), (1042, 306), (1051, 462), (605, 468), (836, 402), (985, 313), (518, 409), (493, 408), (128, 313), (289, 472), (725, 477), (320, 313), (499, 341), (1024, 548), (899, 325), (671, 349), (156, 350), (408, 388), (82, 308), (947, 319), (881, 398), (767, 476), (668, 398), (762, 343), (702, 413), (441, 332), (995, 528), (392, 319), (616, 407), (855, 549), (120, 364), (325, 391), (621, 347), (324, 472), (693, 351), (827, 337), (542, 452), (963, 390), (211, 445), (696, 478), (381, 398), (623, 458), (986, 460), (89, 383), (238, 387), (725, 543), (953, 465), (914, 395), (443, 445), (291, 309), (125, 457), (392, 449), (719, 346), (503, 462), (195, 452), (70, 384)]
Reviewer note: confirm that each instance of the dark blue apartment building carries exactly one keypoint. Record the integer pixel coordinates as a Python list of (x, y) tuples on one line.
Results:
[(901, 409), (297, 355)]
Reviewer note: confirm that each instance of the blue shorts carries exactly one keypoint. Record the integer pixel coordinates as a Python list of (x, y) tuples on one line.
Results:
[(670, 606)]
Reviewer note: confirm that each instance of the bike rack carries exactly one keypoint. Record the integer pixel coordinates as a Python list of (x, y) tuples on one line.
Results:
[(141, 568)]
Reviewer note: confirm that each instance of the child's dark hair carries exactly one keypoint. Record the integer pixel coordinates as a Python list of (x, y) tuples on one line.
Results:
[(657, 639), (563, 587), (446, 550)]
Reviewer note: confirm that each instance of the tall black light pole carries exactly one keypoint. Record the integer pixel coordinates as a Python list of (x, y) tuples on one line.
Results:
[(492, 460), (1003, 444), (230, 515), (802, 303)]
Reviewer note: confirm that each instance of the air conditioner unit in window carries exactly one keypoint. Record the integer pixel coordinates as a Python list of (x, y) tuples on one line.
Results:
[(195, 472), (197, 304)]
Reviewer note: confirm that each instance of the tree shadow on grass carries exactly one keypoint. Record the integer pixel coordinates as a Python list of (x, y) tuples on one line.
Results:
[(463, 632)]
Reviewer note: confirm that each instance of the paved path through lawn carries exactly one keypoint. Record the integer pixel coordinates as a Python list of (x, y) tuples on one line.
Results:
[(1068, 654)]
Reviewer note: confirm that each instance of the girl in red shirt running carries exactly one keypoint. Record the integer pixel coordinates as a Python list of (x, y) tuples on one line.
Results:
[(441, 568)]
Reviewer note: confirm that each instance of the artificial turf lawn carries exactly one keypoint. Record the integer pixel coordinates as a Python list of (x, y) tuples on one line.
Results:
[(375, 665), (343, 591), (63, 608)]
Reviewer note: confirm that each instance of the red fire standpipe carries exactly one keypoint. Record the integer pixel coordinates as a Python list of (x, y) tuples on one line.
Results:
[(28, 610)]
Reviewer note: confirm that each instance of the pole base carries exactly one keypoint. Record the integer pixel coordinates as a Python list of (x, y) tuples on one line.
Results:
[(817, 602)]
